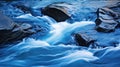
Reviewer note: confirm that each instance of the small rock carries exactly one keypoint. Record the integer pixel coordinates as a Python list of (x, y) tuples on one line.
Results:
[(83, 40)]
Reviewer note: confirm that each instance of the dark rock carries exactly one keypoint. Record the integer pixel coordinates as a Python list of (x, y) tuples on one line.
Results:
[(107, 11), (20, 32), (105, 25), (108, 18), (11, 31), (6, 26), (105, 21), (83, 40), (56, 11)]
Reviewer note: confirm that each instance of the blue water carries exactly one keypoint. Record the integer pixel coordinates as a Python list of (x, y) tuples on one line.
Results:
[(55, 46)]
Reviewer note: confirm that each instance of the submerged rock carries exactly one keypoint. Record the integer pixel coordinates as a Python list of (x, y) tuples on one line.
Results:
[(22, 6), (57, 11), (10, 11), (83, 40)]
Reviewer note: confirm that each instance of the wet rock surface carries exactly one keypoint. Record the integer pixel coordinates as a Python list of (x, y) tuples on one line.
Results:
[(103, 25), (83, 39), (11, 31), (57, 11), (58, 48), (108, 18)]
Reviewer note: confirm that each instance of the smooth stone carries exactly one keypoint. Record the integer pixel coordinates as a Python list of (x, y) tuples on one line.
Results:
[(56, 11)]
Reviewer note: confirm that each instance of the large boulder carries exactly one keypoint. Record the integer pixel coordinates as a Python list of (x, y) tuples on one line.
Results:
[(83, 40), (58, 11), (11, 31), (105, 21)]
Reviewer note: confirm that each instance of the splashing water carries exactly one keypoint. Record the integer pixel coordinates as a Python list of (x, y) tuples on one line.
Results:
[(63, 29), (43, 53), (32, 52), (52, 51)]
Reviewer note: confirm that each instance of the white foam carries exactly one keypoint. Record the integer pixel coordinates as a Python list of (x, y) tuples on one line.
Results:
[(63, 28)]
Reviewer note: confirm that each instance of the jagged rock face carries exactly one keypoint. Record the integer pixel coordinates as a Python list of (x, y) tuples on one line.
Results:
[(105, 25), (108, 18), (11, 31), (59, 13), (83, 40)]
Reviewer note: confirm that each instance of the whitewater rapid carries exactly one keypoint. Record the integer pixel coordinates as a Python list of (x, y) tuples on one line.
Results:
[(52, 52), (56, 47), (62, 29)]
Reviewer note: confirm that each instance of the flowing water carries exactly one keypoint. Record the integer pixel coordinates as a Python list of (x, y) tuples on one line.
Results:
[(58, 49)]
